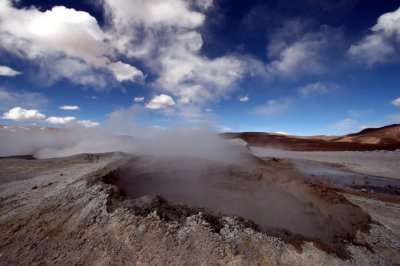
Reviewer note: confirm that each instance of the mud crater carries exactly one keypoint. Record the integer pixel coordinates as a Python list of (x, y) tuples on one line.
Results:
[(284, 206)]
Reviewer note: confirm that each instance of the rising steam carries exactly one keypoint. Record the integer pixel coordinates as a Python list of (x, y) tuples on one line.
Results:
[(201, 141)]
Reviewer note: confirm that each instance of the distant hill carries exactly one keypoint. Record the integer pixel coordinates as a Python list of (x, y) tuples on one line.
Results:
[(383, 138)]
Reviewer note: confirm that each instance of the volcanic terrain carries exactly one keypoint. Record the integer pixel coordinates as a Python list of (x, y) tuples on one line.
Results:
[(260, 207)]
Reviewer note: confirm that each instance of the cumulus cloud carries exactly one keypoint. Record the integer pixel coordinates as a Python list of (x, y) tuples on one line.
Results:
[(60, 33), (60, 120), (138, 99), (382, 44), (244, 98), (8, 71), (23, 115), (12, 98), (193, 78), (272, 108), (396, 102), (20, 114), (136, 24), (164, 35), (69, 107), (160, 101), (124, 71)]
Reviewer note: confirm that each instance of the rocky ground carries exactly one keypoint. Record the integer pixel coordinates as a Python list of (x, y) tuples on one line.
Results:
[(380, 163), (61, 211)]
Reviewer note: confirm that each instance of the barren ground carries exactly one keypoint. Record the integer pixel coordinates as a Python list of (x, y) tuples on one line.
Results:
[(70, 211)]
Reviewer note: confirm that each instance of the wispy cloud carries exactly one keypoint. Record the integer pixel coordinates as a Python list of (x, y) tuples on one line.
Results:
[(138, 99), (11, 98), (358, 113), (272, 108), (312, 89), (343, 125), (299, 48), (69, 107)]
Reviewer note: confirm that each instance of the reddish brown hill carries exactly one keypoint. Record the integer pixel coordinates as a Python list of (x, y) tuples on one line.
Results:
[(384, 138)]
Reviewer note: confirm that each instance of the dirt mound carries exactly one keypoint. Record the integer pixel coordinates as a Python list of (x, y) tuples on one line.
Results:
[(275, 203)]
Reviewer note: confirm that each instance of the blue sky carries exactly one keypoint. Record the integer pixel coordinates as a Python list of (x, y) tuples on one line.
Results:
[(301, 67)]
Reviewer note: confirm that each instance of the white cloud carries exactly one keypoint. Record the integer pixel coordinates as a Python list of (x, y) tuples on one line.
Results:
[(396, 102), (138, 99), (299, 49), (161, 101), (381, 45), (163, 34), (343, 125), (88, 123), (156, 13), (20, 114), (124, 72), (60, 120), (373, 49), (59, 34), (23, 115), (313, 89), (136, 23), (244, 99), (12, 98), (69, 107), (8, 71), (272, 108), (301, 57), (193, 78)]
